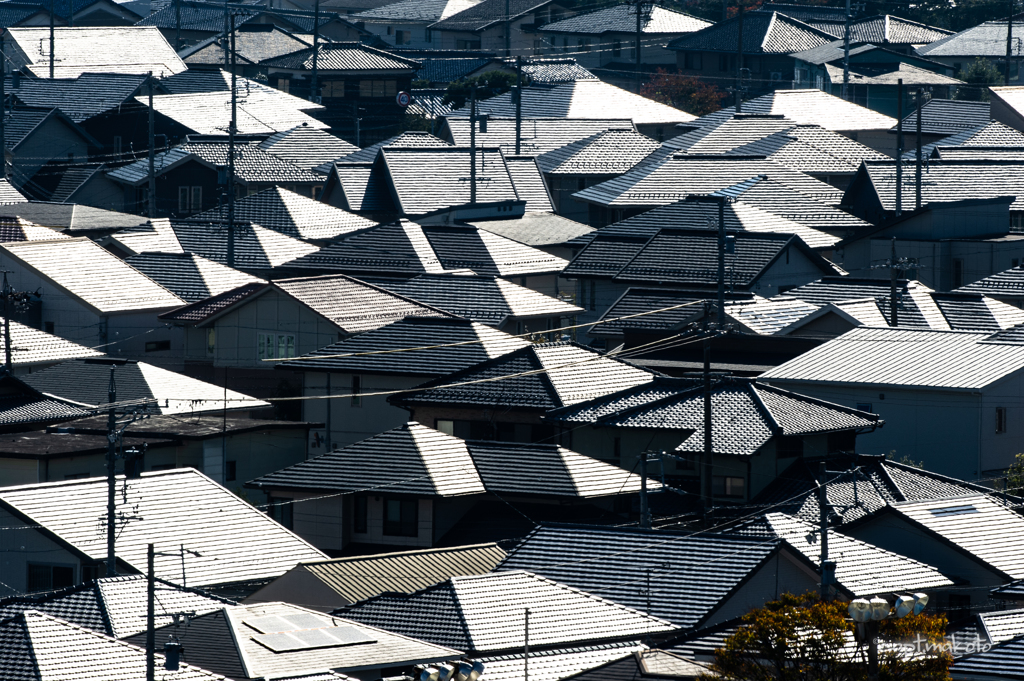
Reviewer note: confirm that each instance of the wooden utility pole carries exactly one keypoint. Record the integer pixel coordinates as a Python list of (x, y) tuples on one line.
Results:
[(152, 152), (232, 126), (111, 476), (828, 567), (1009, 43), (893, 294), (917, 170), (472, 145), (899, 147), (150, 617), (846, 55), (314, 93), (519, 102), (639, 34), (51, 38), (508, 28), (739, 58), (177, 25)]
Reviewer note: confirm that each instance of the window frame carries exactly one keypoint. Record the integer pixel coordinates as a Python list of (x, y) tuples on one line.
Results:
[(1002, 423), (407, 524)]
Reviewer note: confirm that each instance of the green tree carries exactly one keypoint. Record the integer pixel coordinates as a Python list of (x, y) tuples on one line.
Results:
[(690, 94), (978, 75), (802, 638), (487, 84), (1014, 482)]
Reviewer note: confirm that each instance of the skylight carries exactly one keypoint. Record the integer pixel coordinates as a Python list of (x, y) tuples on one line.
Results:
[(953, 510), (303, 631)]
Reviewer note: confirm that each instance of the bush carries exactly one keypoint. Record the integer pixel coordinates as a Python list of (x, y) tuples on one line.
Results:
[(690, 94)]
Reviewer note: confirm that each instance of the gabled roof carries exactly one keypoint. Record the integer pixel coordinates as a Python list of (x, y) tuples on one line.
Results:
[(541, 377), (555, 70), (9, 194), (445, 69), (778, 199), (951, 360), (307, 147), (563, 663), (649, 309), (70, 216), (291, 214), (415, 10), (887, 29), (986, 138), (610, 152), (97, 49), (676, 177), (536, 229), (343, 57), (1003, 662), (488, 300), (196, 16), (256, 248), (23, 122), (284, 641), (82, 97), (84, 382), (22, 406), (243, 544), (196, 80), (418, 346), (1008, 283), (969, 179), (538, 135), (746, 415), (912, 76), (252, 164), (592, 99), (617, 562), (357, 578), (361, 188), (16, 229), (622, 19), (259, 111), (487, 13), (949, 116), (763, 33), (685, 257), (1002, 625), (34, 347), (253, 42), (864, 569), (410, 138), (987, 39), (34, 647), (156, 236), (481, 613), (92, 275), (809, 107), (115, 606), (406, 248), (189, 276)]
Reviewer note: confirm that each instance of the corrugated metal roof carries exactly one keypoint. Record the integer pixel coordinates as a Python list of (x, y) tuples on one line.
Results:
[(361, 577), (244, 544)]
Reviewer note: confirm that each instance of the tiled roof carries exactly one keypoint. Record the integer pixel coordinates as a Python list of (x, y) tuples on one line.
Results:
[(985, 139), (488, 300), (411, 138), (23, 407), (678, 176), (208, 307), (22, 122), (487, 13), (408, 248), (767, 317), (618, 562), (15, 229), (256, 248), (948, 117), (195, 16), (912, 76), (91, 274), (557, 70), (778, 199), (538, 135), (155, 236), (970, 179), (1003, 662), (190, 277), (14, 13), (1002, 625), (547, 376), (987, 39), (342, 57), (622, 19), (554, 665), (71, 217), (80, 98), (536, 229), (97, 49), (34, 647), (955, 360), (446, 70), (1008, 283), (362, 188), (34, 347), (9, 194), (763, 33), (357, 578), (259, 112), (246, 641), (84, 382), (610, 152), (244, 544), (887, 29), (253, 43), (529, 184), (195, 80), (864, 569), (481, 613), (115, 606), (809, 107), (1013, 591), (415, 10), (684, 257), (291, 214), (307, 147), (592, 99), (635, 310), (426, 346)]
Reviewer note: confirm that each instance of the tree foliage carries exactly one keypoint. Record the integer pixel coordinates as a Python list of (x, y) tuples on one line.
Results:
[(802, 638), (1014, 483), (978, 75), (487, 85), (690, 94)]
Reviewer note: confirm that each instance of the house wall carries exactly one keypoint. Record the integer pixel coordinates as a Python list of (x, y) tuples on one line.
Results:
[(415, 35), (767, 71), (781, 574), (19, 471), (375, 526), (19, 548), (593, 51), (492, 39), (940, 429), (54, 140), (320, 522), (998, 450)]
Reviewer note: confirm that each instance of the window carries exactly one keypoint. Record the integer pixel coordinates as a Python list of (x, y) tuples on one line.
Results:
[(402, 37), (584, 44), (48, 327), (197, 199), (333, 89), (211, 340), (1000, 419), (727, 62), (47, 577), (693, 60), (787, 447), (357, 388), (156, 346), (865, 406), (284, 84), (446, 426), (274, 345), (190, 200), (378, 88), (565, 44), (467, 44), (428, 35), (958, 272), (359, 514), (401, 517), (230, 471), (617, 48), (390, 30), (726, 486), (281, 510)]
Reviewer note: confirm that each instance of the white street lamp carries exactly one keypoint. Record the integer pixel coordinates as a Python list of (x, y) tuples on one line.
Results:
[(868, 613)]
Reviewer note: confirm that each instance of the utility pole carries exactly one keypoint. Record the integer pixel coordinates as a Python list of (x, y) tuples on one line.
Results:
[(314, 95), (721, 260), (152, 152), (707, 454), (508, 28), (71, 13), (177, 25), (917, 179), (472, 146), (111, 478), (150, 617), (846, 55), (739, 59), (899, 147), (8, 365), (231, 150), (519, 102), (639, 33), (3, 101), (893, 318), (227, 30), (526, 646), (1009, 42), (645, 509), (52, 41), (828, 568)]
